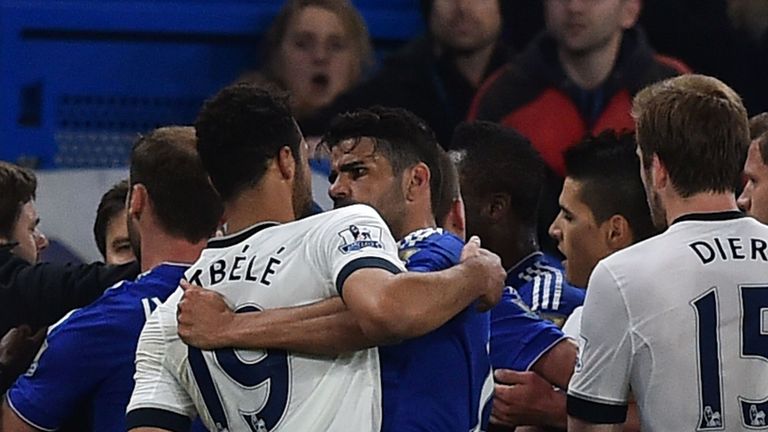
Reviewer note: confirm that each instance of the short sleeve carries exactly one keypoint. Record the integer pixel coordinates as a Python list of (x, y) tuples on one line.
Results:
[(519, 337), (158, 400), (72, 362), (599, 388), (572, 325), (353, 238)]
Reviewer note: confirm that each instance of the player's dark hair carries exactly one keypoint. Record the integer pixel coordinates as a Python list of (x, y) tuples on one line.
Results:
[(499, 160), (111, 204), (239, 131), (698, 128), (608, 170), (450, 191), (399, 135), (17, 187), (166, 163)]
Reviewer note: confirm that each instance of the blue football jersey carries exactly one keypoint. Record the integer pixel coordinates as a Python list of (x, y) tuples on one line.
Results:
[(440, 381), (519, 336), (86, 365), (540, 281)]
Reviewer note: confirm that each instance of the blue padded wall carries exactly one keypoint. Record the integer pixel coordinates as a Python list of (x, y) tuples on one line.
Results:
[(79, 79)]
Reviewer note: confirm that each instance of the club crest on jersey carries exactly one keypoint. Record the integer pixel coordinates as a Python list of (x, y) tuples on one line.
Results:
[(358, 237)]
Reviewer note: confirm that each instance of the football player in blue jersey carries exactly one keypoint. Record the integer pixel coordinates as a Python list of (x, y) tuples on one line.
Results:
[(602, 210), (502, 177), (433, 382), (441, 380), (84, 372)]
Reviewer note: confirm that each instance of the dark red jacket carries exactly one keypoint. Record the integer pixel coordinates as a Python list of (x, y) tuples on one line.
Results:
[(533, 95)]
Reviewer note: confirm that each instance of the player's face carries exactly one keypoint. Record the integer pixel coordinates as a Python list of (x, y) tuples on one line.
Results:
[(581, 27), (754, 198), (578, 236), (302, 185), (27, 233), (465, 25), (360, 174), (317, 59), (118, 250)]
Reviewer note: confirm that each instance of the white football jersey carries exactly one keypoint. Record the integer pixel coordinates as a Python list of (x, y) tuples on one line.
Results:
[(264, 267), (681, 320)]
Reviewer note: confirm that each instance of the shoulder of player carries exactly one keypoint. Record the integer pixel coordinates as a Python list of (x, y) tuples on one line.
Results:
[(639, 252), (121, 308), (430, 237), (86, 329), (348, 212), (430, 249)]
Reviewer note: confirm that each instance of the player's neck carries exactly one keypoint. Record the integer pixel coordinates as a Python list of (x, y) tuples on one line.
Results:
[(158, 247), (590, 69), (700, 203), (256, 205)]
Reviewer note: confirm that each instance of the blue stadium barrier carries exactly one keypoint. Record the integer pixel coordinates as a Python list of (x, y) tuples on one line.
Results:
[(80, 79)]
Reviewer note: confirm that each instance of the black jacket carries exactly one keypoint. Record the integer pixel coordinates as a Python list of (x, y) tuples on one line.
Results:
[(414, 79), (41, 294)]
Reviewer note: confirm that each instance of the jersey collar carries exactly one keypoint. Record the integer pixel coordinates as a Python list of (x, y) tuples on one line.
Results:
[(514, 275), (240, 236), (709, 217)]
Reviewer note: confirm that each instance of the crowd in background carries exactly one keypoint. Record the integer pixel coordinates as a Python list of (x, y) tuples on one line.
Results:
[(529, 107)]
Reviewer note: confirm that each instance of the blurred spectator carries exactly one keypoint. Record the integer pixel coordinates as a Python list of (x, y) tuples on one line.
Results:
[(436, 75), (111, 226), (577, 77), (315, 49), (722, 38)]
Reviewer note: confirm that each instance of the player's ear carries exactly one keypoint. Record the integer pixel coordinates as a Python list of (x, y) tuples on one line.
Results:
[(286, 163), (499, 206), (456, 220), (137, 199), (659, 173), (417, 181), (618, 232)]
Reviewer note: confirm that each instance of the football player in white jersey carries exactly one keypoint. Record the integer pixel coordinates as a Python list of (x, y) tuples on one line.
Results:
[(680, 318), (257, 160)]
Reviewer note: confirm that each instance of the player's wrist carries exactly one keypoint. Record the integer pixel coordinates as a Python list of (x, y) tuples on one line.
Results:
[(554, 412)]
